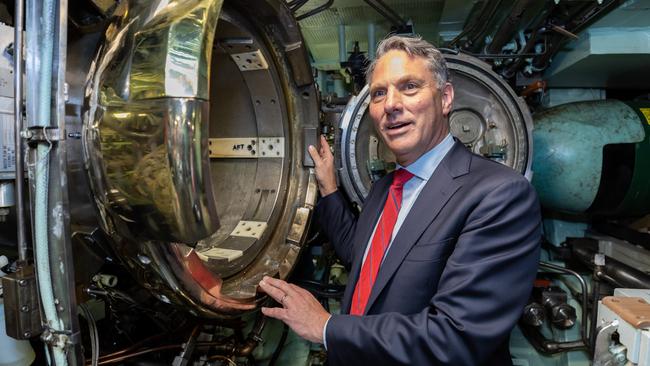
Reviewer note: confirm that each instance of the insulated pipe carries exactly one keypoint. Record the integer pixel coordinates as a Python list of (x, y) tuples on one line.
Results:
[(372, 41), (343, 52), (42, 177), (45, 71), (42, 251), (18, 121)]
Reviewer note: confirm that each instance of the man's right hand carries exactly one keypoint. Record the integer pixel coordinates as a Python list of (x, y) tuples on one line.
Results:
[(324, 167)]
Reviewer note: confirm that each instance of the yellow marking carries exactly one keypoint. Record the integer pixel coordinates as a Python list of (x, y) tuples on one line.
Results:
[(646, 114)]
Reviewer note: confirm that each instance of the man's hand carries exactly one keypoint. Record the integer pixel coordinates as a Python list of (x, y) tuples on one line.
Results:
[(324, 163), (301, 311)]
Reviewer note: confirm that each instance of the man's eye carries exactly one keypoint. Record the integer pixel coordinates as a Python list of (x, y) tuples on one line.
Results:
[(378, 94), (410, 86)]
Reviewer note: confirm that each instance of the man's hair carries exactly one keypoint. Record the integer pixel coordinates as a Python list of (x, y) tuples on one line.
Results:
[(413, 46)]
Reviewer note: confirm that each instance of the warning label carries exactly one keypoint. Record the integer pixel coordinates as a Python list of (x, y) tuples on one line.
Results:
[(7, 151), (646, 114)]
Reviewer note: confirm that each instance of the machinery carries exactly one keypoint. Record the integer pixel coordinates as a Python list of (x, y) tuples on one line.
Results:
[(154, 167)]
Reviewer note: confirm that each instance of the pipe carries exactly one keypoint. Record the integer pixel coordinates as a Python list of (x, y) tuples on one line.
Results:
[(253, 339), (372, 41), (388, 13), (343, 52), (583, 285), (42, 177), (613, 271), (315, 10), (45, 71), (508, 27), (546, 346), (42, 253), (18, 122)]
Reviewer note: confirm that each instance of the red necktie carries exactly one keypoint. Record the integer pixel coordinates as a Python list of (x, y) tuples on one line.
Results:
[(379, 243)]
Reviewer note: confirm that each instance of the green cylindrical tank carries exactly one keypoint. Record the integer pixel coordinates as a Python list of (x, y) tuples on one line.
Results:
[(593, 157)]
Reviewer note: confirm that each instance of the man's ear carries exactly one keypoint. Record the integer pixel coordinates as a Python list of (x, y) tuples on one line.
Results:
[(447, 98)]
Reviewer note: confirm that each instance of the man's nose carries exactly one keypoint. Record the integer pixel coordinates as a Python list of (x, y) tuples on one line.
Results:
[(393, 101)]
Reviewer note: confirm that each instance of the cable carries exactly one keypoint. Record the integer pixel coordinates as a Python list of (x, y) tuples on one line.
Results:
[(94, 335)]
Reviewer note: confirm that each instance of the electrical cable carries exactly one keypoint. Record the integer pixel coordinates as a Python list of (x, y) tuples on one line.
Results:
[(94, 334)]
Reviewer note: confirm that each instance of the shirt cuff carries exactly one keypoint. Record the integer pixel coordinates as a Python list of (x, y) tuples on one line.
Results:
[(325, 332)]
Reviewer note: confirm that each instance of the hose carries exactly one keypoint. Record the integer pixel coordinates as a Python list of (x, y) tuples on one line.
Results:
[(94, 334), (42, 177)]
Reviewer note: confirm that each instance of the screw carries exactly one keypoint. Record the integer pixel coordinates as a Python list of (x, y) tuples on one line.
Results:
[(24, 309), (27, 334), (22, 283)]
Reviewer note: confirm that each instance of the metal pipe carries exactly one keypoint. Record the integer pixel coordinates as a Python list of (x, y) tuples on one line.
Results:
[(613, 271), (315, 10), (508, 27), (372, 41), (343, 52), (583, 285), (388, 13), (253, 339), (18, 121), (546, 346)]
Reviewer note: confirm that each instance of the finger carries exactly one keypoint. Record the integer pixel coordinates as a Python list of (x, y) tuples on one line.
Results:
[(315, 156), (275, 293), (326, 152), (277, 313), (282, 285)]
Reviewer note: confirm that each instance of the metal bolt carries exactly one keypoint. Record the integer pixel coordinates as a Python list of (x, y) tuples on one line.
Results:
[(24, 309), (22, 283), (620, 358), (27, 334), (56, 301)]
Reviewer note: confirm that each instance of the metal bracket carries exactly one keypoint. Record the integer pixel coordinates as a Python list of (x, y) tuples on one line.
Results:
[(249, 229), (602, 356), (36, 135), (249, 61), (246, 147)]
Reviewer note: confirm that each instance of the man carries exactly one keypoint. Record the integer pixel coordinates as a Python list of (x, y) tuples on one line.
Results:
[(443, 256)]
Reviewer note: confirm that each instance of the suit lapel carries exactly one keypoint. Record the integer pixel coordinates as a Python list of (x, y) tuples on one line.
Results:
[(433, 197)]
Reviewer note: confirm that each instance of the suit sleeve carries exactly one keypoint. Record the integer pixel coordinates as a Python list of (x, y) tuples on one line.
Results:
[(338, 223), (483, 288)]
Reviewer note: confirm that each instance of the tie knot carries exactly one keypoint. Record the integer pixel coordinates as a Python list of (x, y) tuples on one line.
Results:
[(401, 176)]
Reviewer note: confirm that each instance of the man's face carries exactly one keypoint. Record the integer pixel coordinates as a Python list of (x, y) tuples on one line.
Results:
[(406, 106)]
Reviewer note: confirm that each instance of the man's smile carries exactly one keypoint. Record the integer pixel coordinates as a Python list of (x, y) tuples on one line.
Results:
[(396, 128)]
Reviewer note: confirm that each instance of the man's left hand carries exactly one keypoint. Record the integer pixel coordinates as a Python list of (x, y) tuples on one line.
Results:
[(300, 310)]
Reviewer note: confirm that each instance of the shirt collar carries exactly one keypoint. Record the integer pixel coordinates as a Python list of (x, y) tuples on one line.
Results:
[(426, 164)]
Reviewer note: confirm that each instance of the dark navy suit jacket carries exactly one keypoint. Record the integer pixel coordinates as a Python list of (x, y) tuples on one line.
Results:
[(456, 277)]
